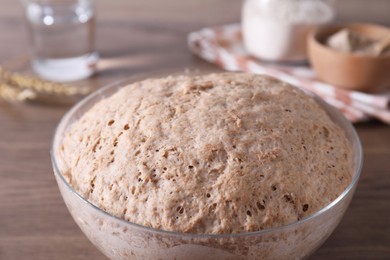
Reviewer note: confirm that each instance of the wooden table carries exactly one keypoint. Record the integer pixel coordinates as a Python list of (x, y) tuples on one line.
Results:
[(144, 36)]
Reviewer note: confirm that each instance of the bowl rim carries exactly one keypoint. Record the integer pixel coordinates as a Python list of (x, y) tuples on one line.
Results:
[(133, 79), (314, 40)]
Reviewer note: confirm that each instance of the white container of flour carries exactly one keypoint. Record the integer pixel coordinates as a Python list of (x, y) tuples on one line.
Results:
[(276, 30)]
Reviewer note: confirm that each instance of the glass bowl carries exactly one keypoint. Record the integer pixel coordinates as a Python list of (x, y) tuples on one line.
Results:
[(120, 239)]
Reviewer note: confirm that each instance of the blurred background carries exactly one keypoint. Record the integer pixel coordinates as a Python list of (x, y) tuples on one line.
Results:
[(123, 25)]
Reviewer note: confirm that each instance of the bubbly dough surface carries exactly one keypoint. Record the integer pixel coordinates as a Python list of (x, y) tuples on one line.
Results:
[(219, 153)]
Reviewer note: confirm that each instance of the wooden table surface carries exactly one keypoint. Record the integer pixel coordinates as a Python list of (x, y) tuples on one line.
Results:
[(135, 37)]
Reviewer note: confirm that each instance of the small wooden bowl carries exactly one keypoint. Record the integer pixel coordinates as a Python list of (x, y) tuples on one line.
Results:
[(348, 70)]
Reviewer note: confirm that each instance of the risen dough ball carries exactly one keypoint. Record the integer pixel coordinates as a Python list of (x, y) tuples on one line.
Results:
[(220, 153)]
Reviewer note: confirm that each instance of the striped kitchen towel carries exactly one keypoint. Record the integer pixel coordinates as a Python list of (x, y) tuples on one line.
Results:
[(223, 46)]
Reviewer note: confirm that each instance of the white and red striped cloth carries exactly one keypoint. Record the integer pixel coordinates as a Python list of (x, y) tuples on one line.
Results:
[(223, 46)]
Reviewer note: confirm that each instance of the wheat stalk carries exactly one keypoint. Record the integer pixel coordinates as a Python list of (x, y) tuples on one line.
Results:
[(10, 93), (18, 87)]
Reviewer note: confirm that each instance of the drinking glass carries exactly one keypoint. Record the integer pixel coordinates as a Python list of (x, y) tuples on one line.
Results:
[(62, 36)]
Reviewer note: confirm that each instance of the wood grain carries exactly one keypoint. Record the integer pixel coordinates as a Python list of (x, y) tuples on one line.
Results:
[(136, 37)]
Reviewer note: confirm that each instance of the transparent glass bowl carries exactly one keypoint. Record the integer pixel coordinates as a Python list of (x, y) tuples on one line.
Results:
[(120, 239)]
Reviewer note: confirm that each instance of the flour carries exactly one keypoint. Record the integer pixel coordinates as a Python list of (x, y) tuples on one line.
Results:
[(277, 30), (350, 41)]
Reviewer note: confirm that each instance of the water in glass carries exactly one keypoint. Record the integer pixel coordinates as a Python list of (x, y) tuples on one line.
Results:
[(62, 38)]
